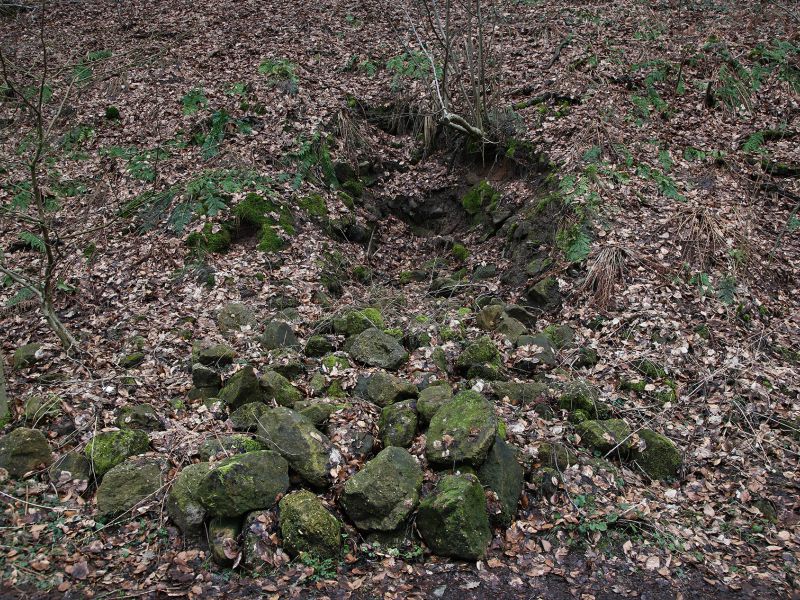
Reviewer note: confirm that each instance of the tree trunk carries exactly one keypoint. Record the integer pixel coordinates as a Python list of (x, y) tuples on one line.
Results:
[(5, 409)]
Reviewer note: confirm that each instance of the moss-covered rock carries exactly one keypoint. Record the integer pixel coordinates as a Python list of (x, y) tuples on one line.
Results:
[(606, 436), (277, 387), (24, 450), (542, 349), (453, 520), (511, 328), (26, 356), (558, 456), (384, 389), (108, 449), (334, 361), (398, 424), (482, 196), (314, 205), (69, 467), (214, 355), (545, 294), (214, 238), (587, 357), (139, 416), (223, 536), (307, 526), (207, 382), (309, 452), (489, 317), (130, 483), (316, 411), (318, 345), (244, 482), (376, 349), (657, 455), (461, 431), (562, 336), (503, 474), (480, 359), (354, 322), (183, 502), (247, 416), (41, 407), (132, 360), (234, 317), (519, 394), (545, 481), (383, 493), (242, 388), (227, 445), (287, 362), (431, 399), (581, 395), (278, 334)]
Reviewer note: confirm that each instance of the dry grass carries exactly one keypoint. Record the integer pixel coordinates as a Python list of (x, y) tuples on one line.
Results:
[(701, 236), (607, 269)]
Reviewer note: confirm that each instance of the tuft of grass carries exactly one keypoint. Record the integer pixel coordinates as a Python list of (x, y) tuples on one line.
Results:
[(701, 235), (605, 272)]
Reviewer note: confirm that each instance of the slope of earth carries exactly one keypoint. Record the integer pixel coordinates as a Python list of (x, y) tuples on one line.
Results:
[(643, 209)]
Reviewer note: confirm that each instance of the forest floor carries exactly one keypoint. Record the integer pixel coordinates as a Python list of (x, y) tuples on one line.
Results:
[(670, 129)]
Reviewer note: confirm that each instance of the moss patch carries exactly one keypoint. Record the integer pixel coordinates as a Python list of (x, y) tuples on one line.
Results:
[(481, 196)]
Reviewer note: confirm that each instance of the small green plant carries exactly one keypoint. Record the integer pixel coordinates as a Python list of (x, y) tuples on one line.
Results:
[(324, 568), (194, 101), (280, 71), (459, 252), (313, 160)]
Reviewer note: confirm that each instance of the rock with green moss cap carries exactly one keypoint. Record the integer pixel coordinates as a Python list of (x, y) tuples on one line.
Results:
[(183, 502), (431, 399), (318, 345), (354, 322), (519, 394), (511, 328), (562, 336), (244, 482), (309, 452), (316, 411), (223, 536), (606, 436), (227, 445), (214, 355), (384, 492), (581, 395), (462, 431), (307, 526), (247, 416), (24, 450), (140, 416), (109, 448), (383, 389), (277, 387), (27, 356), (377, 349), (481, 359), (489, 317), (481, 197), (398, 424), (556, 455), (129, 361), (334, 361), (453, 520), (657, 455), (503, 474), (545, 294), (234, 317), (242, 388), (136, 480)]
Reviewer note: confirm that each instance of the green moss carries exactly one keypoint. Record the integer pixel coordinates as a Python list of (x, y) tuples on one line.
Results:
[(405, 278), (270, 240), (395, 333), (501, 429), (208, 240), (347, 200), (253, 210), (459, 252), (314, 205), (335, 390), (651, 369), (633, 386), (108, 449), (461, 431), (307, 526), (354, 187), (660, 459), (606, 436), (112, 113), (131, 360), (480, 359), (332, 361), (481, 196), (362, 274)]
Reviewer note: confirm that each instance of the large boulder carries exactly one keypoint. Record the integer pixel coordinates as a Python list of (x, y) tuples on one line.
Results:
[(228, 445), (27, 356), (307, 526), (377, 349), (453, 520), (462, 431), (309, 452), (606, 436), (545, 294), (139, 416), (277, 387), (480, 359), (242, 388), (384, 389), (248, 416), (213, 355), (183, 502), (109, 448), (278, 334), (234, 317), (24, 450), (244, 482), (656, 455), (382, 494), (431, 399), (398, 424), (354, 322), (130, 483), (503, 475)]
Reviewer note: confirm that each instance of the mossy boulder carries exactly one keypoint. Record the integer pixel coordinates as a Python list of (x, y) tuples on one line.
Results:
[(215, 355), (377, 349), (227, 445), (384, 389), (481, 359), (130, 483), (384, 492), (223, 536), (132, 360), (139, 416), (545, 294), (247, 416), (657, 455), (207, 382), (481, 197), (511, 328), (431, 399), (521, 314), (354, 322), (27, 356), (277, 387), (24, 450), (502, 474), (109, 448), (453, 520), (278, 334), (606, 436), (558, 456), (489, 317), (316, 411), (242, 388), (519, 394), (461, 431), (307, 526), (318, 345), (581, 395), (183, 502), (69, 467), (398, 424), (244, 482), (562, 336), (234, 317), (309, 452)]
